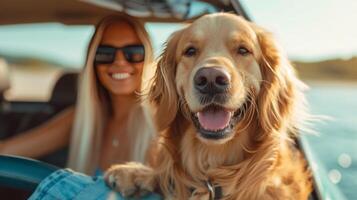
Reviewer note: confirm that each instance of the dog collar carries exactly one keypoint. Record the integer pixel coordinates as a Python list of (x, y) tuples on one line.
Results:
[(215, 191)]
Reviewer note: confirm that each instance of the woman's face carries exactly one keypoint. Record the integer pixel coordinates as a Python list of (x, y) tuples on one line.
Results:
[(121, 77)]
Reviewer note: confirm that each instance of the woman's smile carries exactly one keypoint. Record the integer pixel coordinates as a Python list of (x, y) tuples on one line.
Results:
[(120, 76)]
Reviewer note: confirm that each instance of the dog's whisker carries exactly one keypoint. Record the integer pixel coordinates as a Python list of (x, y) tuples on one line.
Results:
[(250, 99), (249, 110), (247, 124), (205, 100)]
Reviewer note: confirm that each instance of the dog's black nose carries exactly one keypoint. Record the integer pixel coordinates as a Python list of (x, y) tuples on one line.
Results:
[(211, 80)]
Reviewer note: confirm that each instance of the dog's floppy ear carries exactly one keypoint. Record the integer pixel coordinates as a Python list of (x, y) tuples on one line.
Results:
[(163, 92), (279, 94)]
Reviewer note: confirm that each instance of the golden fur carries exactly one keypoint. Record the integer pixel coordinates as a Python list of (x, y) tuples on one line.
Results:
[(259, 160)]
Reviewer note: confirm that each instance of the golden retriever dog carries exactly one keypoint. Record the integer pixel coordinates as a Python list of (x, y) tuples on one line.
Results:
[(229, 106)]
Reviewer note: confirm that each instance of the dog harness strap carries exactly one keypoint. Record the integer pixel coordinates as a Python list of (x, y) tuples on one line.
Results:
[(211, 190), (214, 191), (218, 192)]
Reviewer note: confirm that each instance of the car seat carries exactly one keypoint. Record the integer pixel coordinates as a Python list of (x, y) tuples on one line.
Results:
[(64, 93)]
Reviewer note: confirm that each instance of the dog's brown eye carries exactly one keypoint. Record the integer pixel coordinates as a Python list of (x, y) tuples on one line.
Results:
[(191, 51), (243, 51)]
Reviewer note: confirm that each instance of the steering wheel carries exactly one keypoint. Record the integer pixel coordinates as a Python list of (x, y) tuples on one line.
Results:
[(23, 173)]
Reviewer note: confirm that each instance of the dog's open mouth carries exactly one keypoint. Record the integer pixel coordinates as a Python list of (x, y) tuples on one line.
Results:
[(216, 122)]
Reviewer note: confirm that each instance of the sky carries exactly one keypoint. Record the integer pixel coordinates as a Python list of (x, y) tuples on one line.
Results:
[(308, 30)]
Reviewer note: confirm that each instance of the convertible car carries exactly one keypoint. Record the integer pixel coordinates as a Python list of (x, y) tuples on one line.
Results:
[(21, 109)]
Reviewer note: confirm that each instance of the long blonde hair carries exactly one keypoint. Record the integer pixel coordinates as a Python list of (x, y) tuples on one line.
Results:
[(93, 108)]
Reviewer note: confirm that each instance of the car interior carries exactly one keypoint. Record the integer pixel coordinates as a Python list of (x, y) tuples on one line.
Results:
[(19, 116)]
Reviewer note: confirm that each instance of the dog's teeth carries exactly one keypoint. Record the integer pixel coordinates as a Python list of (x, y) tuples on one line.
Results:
[(120, 76)]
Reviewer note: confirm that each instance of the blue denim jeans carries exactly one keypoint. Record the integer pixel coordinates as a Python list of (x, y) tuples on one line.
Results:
[(66, 184)]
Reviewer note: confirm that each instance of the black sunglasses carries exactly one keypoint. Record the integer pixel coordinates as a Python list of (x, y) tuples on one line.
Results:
[(106, 54)]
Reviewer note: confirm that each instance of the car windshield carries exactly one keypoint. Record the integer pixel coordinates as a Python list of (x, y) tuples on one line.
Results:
[(320, 40)]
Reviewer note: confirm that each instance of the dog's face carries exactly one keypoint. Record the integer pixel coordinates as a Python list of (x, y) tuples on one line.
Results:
[(217, 67), (212, 72)]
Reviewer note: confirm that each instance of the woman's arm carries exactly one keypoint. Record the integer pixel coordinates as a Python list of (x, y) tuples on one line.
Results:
[(42, 140)]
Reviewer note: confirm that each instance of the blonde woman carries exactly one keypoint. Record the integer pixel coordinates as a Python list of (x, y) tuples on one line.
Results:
[(110, 123)]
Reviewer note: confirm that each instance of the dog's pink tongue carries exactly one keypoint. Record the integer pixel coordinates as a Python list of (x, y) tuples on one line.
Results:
[(214, 120)]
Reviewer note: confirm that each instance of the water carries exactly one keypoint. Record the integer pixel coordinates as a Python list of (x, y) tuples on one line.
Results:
[(336, 146)]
